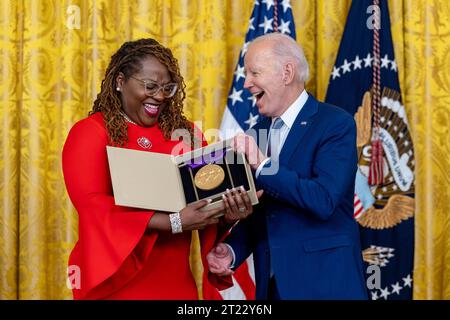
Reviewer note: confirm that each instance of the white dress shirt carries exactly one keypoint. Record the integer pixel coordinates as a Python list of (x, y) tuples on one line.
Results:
[(288, 118)]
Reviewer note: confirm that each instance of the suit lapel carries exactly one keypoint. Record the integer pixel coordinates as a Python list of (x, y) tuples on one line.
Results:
[(301, 124)]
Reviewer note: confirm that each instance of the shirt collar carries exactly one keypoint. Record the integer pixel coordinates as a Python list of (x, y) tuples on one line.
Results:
[(294, 109)]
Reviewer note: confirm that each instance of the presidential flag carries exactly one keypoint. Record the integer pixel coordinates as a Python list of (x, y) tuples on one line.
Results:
[(364, 81), (241, 112)]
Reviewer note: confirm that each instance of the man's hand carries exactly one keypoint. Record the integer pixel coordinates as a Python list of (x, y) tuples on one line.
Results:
[(246, 144), (219, 260)]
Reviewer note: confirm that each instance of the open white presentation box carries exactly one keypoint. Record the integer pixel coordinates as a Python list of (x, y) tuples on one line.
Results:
[(164, 182)]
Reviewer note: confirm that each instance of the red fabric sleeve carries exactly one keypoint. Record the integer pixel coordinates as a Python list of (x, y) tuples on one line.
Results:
[(110, 236)]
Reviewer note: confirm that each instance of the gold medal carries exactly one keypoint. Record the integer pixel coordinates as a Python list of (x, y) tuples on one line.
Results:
[(209, 177)]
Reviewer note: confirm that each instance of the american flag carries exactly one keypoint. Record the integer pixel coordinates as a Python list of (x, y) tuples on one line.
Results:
[(241, 112)]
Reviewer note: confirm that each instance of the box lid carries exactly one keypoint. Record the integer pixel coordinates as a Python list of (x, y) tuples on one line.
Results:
[(145, 180)]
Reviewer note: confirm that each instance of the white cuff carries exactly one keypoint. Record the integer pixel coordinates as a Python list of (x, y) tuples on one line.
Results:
[(261, 165), (232, 253)]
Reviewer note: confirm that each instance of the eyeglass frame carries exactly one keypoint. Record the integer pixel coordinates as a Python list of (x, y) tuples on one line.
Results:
[(160, 87)]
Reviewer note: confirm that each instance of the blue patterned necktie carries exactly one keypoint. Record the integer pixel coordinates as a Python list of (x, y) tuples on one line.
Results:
[(273, 149)]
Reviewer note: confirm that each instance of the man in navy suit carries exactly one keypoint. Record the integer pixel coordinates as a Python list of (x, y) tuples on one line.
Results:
[(303, 237)]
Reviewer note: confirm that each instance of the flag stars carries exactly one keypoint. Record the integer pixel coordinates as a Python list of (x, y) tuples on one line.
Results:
[(286, 5), (252, 120), (267, 24), (376, 61), (244, 48), (374, 295), (346, 66), (368, 61), (335, 73), (407, 281), (239, 73), (384, 293), (284, 27), (396, 288), (393, 66), (357, 63), (385, 62), (253, 100), (235, 96), (250, 24), (269, 4)]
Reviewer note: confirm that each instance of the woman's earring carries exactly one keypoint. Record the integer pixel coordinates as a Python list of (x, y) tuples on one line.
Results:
[(118, 89)]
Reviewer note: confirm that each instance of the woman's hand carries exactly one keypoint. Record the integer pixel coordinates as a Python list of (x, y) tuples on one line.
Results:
[(192, 218), (237, 205)]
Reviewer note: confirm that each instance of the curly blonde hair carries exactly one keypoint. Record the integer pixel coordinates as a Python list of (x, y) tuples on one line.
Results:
[(128, 61)]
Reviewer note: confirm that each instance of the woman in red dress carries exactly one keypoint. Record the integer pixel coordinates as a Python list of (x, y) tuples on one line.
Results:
[(129, 253)]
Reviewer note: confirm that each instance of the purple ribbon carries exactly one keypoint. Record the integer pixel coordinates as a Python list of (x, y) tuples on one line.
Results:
[(206, 159)]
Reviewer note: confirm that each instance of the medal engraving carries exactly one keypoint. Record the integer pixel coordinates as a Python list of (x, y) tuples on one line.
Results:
[(209, 177)]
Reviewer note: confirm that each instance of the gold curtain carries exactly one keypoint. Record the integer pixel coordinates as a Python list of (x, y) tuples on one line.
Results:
[(53, 54)]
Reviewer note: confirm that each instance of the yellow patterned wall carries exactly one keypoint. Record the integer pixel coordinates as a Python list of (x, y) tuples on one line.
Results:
[(50, 72)]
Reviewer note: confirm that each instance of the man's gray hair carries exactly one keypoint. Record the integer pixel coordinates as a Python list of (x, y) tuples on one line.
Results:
[(287, 49)]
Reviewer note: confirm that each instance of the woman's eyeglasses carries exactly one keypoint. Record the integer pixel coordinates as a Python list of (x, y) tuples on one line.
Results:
[(152, 88)]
